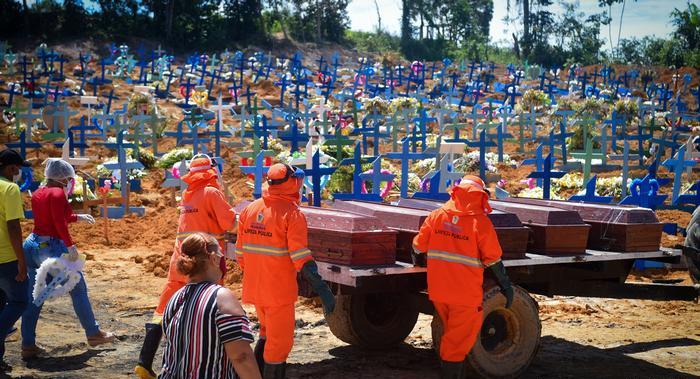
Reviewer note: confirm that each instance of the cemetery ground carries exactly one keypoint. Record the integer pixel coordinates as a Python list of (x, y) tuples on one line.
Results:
[(581, 337)]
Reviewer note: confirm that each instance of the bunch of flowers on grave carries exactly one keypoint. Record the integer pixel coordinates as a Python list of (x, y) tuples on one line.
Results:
[(173, 156), (423, 167), (626, 108), (387, 168), (576, 141), (533, 98), (375, 105), (592, 108), (537, 193), (331, 150), (414, 182), (341, 180), (469, 162), (564, 103), (102, 172), (570, 183), (78, 195), (141, 104), (273, 144), (611, 186), (146, 157), (401, 103)]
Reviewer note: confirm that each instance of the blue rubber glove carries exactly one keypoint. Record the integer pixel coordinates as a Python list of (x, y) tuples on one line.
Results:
[(310, 273)]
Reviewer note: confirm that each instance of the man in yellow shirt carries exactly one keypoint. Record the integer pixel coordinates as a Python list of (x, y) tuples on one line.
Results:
[(13, 269)]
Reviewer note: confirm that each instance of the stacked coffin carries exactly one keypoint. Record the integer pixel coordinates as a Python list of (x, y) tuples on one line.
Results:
[(614, 228), (512, 235), (349, 238), (406, 222), (346, 238), (555, 231)]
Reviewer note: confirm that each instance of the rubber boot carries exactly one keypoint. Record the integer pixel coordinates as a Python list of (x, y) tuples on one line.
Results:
[(452, 370), (144, 369), (258, 352), (274, 370)]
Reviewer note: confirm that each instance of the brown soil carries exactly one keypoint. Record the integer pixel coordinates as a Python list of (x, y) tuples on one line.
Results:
[(585, 337)]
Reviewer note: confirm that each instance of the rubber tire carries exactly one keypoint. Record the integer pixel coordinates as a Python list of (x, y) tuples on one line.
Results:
[(513, 360), (692, 239), (352, 320)]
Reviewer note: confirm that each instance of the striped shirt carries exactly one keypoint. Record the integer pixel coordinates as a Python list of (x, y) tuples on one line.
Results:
[(195, 334)]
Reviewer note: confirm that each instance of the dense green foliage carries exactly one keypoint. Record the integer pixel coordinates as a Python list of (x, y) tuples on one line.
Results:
[(430, 29)]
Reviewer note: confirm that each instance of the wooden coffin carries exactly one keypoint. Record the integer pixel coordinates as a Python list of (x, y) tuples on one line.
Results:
[(555, 231), (346, 238), (349, 238), (613, 228), (406, 222), (512, 235)]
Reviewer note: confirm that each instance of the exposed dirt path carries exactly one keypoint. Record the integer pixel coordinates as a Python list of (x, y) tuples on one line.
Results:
[(581, 337)]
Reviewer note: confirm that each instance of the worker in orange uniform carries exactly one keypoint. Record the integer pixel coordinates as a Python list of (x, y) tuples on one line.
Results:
[(271, 248), (203, 209), (460, 242)]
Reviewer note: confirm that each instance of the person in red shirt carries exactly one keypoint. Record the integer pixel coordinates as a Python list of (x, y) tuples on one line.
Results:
[(51, 239), (271, 248), (203, 209), (460, 241)]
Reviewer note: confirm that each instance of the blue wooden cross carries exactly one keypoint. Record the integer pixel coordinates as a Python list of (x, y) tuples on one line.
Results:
[(678, 164), (372, 131), (640, 137), (644, 193), (547, 175), (625, 166), (377, 177), (483, 144), (23, 144), (502, 132), (258, 171), (420, 123), (293, 135), (316, 172), (123, 165), (82, 130), (589, 196), (405, 156), (356, 193)]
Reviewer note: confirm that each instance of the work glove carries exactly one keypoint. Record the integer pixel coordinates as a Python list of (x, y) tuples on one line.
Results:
[(418, 259), (73, 253), (86, 218), (310, 273), (499, 271)]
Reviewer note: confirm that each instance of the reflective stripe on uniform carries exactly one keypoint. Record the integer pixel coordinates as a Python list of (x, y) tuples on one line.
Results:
[(491, 264), (299, 254), (454, 258), (265, 250)]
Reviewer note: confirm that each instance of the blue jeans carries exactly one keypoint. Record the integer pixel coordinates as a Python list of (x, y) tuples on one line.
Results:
[(16, 297), (36, 250)]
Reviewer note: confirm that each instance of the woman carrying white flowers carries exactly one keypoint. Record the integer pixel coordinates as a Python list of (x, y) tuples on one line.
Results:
[(51, 239)]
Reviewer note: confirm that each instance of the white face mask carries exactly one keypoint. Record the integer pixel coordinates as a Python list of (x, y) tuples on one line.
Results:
[(68, 187)]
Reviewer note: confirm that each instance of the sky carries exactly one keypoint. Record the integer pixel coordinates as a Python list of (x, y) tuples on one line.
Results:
[(641, 18)]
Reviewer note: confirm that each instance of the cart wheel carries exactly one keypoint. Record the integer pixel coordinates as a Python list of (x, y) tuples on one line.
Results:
[(373, 321), (692, 239), (509, 338)]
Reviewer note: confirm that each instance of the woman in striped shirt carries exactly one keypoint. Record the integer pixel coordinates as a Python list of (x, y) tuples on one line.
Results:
[(207, 334)]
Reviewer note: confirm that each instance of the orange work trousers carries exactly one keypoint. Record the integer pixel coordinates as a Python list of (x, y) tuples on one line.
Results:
[(277, 328), (461, 328)]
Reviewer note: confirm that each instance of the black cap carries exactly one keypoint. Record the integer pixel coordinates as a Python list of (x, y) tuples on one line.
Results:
[(9, 156)]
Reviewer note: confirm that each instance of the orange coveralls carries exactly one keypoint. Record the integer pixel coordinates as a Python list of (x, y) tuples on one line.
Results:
[(205, 210), (271, 248), (460, 241)]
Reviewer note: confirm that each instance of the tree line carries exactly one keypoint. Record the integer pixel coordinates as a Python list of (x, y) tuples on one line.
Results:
[(430, 29)]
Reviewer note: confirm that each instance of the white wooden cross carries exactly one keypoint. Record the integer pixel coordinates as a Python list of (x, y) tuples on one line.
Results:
[(90, 101)]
